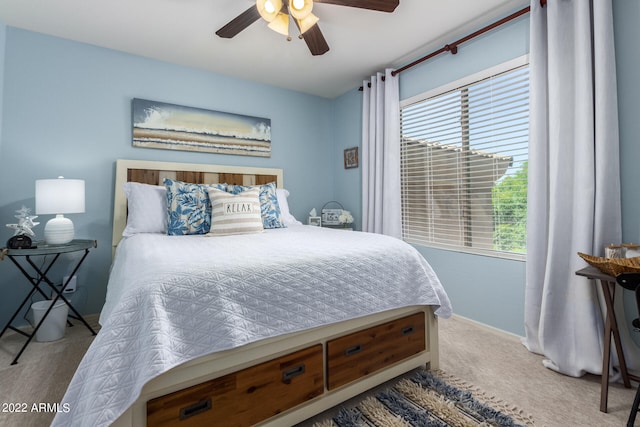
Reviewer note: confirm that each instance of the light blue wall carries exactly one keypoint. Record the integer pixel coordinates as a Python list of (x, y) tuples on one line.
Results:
[(3, 37), (67, 111), (626, 15), (347, 124)]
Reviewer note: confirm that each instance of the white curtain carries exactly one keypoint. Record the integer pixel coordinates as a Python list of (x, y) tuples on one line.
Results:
[(381, 210), (574, 182)]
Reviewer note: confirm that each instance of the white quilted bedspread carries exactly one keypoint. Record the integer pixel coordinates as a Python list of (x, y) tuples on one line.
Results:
[(172, 299)]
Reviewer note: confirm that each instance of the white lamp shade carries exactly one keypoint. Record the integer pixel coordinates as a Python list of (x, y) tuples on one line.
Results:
[(59, 196)]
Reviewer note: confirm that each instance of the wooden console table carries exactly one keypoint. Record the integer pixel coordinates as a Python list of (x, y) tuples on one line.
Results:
[(608, 284)]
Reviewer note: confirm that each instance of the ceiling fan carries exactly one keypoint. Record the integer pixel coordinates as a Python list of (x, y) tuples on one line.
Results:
[(278, 12)]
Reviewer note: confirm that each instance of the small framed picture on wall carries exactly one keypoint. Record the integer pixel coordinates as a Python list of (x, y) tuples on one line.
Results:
[(351, 158)]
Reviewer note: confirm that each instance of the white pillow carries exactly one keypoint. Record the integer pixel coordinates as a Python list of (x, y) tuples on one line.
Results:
[(146, 209), (235, 213), (287, 218)]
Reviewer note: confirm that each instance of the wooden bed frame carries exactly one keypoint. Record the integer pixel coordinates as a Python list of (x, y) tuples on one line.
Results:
[(224, 364)]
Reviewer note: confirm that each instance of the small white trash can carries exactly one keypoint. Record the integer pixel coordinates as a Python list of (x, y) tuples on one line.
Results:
[(55, 325)]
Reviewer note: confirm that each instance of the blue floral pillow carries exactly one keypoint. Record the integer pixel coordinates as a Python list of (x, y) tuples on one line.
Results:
[(269, 208), (188, 207)]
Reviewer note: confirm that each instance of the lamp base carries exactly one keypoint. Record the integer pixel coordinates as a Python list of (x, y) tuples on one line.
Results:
[(58, 231)]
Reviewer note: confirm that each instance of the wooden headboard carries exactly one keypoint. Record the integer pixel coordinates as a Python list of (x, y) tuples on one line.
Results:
[(151, 172)]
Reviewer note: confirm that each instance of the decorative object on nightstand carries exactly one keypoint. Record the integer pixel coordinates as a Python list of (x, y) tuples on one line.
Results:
[(23, 232), (346, 219), (336, 217), (59, 196), (330, 216), (314, 219)]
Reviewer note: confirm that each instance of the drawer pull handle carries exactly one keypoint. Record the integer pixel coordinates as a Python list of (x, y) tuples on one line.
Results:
[(289, 374), (408, 330), (195, 409), (353, 350)]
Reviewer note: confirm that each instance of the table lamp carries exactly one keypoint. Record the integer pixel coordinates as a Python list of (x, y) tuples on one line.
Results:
[(59, 196)]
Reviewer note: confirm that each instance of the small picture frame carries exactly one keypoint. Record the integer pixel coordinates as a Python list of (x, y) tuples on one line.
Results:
[(315, 220), (351, 158)]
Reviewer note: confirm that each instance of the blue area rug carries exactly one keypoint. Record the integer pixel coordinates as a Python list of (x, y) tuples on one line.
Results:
[(428, 399)]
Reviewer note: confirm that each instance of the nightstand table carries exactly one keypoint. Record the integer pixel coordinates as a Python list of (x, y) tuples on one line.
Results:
[(22, 259), (608, 284)]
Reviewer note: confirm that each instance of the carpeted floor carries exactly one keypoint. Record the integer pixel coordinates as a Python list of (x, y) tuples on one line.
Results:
[(42, 373), (499, 364), (490, 360)]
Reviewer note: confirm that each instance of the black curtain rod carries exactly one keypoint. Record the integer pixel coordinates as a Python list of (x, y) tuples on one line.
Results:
[(453, 47)]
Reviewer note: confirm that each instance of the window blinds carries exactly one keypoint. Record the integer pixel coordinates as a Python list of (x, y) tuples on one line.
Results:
[(464, 164)]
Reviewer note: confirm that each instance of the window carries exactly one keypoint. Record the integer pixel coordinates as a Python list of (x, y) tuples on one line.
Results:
[(464, 164)]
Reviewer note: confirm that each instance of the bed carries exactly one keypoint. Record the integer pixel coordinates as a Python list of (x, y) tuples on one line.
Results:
[(265, 328)]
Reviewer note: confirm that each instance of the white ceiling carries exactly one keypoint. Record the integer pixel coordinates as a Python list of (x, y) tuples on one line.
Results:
[(182, 32)]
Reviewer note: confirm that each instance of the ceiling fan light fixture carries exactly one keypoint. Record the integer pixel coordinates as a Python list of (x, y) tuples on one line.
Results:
[(280, 24), (269, 9), (300, 9), (305, 24)]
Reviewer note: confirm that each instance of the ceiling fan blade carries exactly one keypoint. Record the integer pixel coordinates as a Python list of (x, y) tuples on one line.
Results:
[(379, 5), (239, 23), (315, 41)]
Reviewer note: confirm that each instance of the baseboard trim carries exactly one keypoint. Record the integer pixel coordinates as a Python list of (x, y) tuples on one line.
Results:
[(489, 328)]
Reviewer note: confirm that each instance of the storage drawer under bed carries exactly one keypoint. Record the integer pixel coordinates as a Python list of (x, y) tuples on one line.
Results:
[(245, 397), (358, 354)]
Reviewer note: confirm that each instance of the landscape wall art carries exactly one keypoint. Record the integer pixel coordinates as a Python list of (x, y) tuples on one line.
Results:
[(175, 127)]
